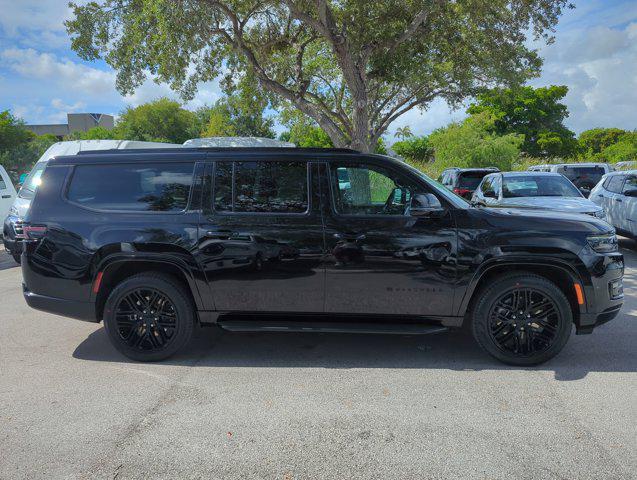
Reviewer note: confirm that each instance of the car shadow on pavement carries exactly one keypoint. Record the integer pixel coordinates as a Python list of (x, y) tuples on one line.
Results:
[(602, 351), (6, 261)]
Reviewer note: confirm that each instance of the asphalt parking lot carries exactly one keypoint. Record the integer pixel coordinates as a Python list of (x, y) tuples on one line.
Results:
[(297, 406)]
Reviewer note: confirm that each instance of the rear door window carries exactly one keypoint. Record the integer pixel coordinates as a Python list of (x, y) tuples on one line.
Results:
[(162, 187), (615, 184), (262, 187)]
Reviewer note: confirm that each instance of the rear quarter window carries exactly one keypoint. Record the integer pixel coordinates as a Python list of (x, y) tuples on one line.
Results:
[(161, 187)]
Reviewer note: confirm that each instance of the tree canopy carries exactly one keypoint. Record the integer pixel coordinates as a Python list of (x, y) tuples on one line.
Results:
[(536, 113), (595, 140), (353, 66), (162, 120), (472, 143), (12, 131)]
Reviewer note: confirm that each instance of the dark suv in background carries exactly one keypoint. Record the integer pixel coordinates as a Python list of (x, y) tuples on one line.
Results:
[(155, 242), (464, 181)]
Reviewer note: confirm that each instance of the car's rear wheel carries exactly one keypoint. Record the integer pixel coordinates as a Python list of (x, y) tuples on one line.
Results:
[(522, 319), (149, 317)]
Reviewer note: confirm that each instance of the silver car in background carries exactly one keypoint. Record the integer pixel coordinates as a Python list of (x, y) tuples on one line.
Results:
[(617, 194), (537, 190)]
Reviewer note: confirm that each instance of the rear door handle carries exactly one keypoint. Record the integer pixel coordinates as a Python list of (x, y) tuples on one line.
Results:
[(6, 196), (618, 200), (350, 236)]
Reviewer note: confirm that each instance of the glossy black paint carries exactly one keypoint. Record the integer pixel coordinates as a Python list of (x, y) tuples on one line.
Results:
[(320, 262)]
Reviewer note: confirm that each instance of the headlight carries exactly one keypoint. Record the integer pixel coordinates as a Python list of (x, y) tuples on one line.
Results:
[(13, 211), (603, 243)]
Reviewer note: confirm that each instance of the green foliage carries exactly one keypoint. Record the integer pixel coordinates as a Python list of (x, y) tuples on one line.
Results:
[(304, 132), (353, 66), (536, 113), (95, 133), (595, 140), (20, 159), (472, 144), (162, 120), (403, 132), (622, 151), (12, 132), (230, 116), (415, 149)]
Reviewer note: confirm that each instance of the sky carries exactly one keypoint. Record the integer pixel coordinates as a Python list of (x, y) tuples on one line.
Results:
[(42, 79)]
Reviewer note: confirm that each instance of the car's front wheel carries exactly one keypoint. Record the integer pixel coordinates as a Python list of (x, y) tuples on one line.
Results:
[(149, 317), (522, 319)]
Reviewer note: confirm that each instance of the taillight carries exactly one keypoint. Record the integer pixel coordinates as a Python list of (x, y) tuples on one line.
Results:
[(463, 192), (33, 232)]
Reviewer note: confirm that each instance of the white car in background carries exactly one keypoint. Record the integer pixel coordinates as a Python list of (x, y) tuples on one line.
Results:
[(534, 190), (617, 194), (7, 192)]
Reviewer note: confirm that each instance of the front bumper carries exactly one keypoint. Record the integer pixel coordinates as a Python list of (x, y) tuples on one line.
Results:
[(604, 296)]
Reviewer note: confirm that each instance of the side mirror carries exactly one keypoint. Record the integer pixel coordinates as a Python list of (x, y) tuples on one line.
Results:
[(631, 193), (425, 205), (489, 194)]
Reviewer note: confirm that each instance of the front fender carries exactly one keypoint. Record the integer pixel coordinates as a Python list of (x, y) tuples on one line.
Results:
[(573, 267)]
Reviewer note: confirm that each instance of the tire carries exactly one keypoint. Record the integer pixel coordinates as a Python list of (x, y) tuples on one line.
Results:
[(531, 338), (126, 320), (17, 258), (257, 263)]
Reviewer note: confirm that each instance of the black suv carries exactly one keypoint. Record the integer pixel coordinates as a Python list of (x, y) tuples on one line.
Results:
[(155, 242), (464, 181)]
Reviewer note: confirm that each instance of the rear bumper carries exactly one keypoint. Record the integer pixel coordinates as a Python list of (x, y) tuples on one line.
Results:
[(84, 311)]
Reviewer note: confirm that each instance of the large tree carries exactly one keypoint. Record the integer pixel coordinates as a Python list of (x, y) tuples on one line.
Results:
[(161, 120), (353, 66), (536, 113)]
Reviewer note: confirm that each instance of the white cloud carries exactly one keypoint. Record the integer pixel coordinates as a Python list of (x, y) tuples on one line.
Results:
[(75, 86)]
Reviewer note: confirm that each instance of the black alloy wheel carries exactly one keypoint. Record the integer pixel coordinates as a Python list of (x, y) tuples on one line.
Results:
[(146, 319), (149, 316), (522, 319)]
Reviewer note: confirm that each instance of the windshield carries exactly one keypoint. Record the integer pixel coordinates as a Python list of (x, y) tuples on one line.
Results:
[(538, 186), (471, 180), (32, 182)]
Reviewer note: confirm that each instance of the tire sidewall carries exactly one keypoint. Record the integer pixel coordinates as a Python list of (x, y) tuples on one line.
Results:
[(182, 304), (480, 320)]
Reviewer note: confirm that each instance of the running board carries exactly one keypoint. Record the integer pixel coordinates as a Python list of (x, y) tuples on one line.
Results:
[(329, 327)]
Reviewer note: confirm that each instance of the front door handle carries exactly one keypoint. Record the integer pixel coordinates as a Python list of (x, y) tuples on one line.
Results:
[(618, 200), (350, 237), (6, 196)]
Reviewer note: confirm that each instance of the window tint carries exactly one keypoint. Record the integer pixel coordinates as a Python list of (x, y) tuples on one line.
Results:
[(370, 190), (267, 187), (3, 185), (631, 184), (582, 175), (615, 184), (470, 180), (487, 185), (538, 186), (149, 187)]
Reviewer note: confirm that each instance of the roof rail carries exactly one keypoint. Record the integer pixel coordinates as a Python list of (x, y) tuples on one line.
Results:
[(283, 150)]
